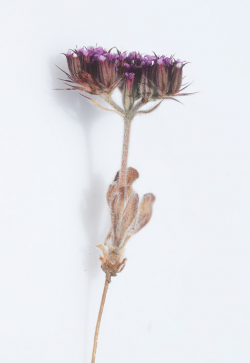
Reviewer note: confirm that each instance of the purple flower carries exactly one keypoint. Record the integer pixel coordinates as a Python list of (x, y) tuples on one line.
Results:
[(168, 61), (129, 76), (123, 56), (134, 56), (149, 77), (99, 50), (160, 60), (150, 57), (127, 65), (101, 58), (84, 52), (111, 56), (146, 63)]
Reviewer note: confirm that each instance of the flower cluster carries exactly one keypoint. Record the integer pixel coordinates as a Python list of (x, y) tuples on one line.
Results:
[(127, 218), (145, 77)]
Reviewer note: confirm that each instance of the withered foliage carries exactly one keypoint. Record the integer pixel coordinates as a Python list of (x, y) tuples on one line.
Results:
[(128, 216)]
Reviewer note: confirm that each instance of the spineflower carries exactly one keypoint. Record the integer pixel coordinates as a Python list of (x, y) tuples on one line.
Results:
[(141, 79)]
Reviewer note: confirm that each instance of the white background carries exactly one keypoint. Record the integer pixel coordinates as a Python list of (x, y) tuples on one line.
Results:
[(184, 295)]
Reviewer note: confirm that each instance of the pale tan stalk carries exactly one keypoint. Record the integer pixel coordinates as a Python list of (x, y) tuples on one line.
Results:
[(126, 136), (99, 319)]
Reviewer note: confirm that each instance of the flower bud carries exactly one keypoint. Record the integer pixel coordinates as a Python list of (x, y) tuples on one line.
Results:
[(128, 92), (176, 77), (73, 64), (146, 86), (162, 79), (84, 57), (107, 71)]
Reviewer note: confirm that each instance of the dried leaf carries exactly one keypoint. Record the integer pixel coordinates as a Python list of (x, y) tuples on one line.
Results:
[(112, 190), (114, 216), (146, 209), (132, 175), (129, 215)]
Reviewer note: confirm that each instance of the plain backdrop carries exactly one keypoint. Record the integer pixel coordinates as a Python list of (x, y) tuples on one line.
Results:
[(184, 295)]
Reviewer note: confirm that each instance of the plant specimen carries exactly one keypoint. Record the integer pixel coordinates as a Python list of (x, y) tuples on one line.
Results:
[(141, 79)]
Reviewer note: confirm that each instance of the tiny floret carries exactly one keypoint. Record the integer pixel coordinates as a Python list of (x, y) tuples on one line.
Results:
[(102, 58), (129, 76)]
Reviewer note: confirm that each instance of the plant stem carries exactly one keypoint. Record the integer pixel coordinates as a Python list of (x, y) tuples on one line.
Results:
[(123, 177), (126, 135), (113, 104), (99, 319)]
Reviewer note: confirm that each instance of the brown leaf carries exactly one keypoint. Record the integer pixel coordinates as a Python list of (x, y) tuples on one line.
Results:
[(129, 215), (122, 198), (132, 175), (146, 209), (114, 216), (112, 190)]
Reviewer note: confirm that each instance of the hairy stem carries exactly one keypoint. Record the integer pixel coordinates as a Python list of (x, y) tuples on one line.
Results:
[(116, 107), (123, 177), (99, 319), (126, 135)]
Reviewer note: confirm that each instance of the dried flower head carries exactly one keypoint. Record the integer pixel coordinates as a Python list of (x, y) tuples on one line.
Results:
[(145, 78)]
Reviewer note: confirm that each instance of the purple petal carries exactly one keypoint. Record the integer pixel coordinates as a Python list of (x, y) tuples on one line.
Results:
[(150, 57), (129, 76), (168, 61), (84, 52), (123, 56), (110, 56), (99, 50), (146, 63), (134, 56), (102, 58)]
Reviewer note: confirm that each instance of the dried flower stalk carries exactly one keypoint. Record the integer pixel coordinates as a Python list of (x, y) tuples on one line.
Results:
[(141, 79)]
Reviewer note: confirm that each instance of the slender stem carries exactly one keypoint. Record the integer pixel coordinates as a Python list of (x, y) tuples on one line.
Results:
[(99, 319), (123, 172), (138, 106), (126, 135), (116, 107)]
